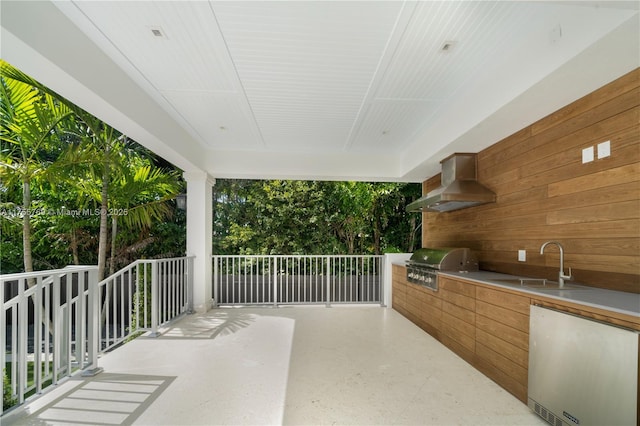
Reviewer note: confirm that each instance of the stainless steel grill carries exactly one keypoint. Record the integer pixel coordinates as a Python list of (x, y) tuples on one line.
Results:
[(425, 263)]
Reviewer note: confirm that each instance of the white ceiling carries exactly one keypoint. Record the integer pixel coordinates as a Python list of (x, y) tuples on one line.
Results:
[(361, 90)]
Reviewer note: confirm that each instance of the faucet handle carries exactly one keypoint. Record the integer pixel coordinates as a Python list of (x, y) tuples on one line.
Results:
[(567, 277)]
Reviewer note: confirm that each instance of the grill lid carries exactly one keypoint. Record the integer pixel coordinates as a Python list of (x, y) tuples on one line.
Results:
[(445, 259)]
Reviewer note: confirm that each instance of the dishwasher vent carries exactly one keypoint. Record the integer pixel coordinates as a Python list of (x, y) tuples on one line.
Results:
[(547, 415)]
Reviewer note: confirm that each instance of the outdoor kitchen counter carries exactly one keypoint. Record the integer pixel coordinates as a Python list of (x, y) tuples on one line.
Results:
[(486, 321), (615, 301)]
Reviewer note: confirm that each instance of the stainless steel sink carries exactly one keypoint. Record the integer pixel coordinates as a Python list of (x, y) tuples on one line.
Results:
[(536, 283)]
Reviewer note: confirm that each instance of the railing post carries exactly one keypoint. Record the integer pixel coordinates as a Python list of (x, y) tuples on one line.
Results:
[(23, 318), (82, 318), (3, 328), (93, 317), (190, 285), (215, 280), (328, 285), (275, 282), (56, 314), (155, 299), (382, 290)]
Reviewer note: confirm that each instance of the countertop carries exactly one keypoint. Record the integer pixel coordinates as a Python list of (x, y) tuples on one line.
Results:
[(611, 300)]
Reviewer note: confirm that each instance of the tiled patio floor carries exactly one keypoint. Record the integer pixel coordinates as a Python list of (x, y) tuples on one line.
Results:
[(310, 365)]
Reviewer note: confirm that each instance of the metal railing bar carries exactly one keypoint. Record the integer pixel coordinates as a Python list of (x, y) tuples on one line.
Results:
[(296, 279), (55, 316), (68, 324)]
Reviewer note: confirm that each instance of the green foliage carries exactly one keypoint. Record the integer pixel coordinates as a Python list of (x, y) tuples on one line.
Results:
[(310, 217), (8, 400), (29, 120), (75, 177)]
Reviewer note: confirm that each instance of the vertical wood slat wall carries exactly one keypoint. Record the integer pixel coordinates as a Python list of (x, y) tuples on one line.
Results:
[(544, 192)]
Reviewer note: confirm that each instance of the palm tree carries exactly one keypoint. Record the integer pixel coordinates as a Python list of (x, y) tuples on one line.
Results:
[(137, 193), (29, 118), (92, 165), (139, 197), (98, 152)]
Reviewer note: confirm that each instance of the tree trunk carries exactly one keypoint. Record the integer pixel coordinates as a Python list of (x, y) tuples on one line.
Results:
[(114, 232), (26, 226), (109, 287), (104, 205), (351, 243), (412, 235), (74, 246), (377, 233)]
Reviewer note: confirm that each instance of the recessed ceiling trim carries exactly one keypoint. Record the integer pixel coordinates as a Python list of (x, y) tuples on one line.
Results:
[(405, 15)]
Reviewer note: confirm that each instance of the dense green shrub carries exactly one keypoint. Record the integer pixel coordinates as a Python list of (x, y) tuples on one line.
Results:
[(8, 400)]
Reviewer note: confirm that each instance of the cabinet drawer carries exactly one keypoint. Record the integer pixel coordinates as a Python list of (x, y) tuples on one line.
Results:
[(503, 332), (460, 313), (506, 349), (465, 302), (459, 287), (458, 324), (398, 274), (504, 299), (504, 316), (502, 363), (459, 331)]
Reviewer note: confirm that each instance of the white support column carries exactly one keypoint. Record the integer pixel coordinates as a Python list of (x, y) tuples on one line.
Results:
[(200, 235)]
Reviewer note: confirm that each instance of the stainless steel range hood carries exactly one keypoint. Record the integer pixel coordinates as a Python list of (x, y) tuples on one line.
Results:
[(459, 190)]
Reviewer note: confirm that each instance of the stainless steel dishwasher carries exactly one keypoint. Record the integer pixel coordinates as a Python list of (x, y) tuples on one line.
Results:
[(581, 371)]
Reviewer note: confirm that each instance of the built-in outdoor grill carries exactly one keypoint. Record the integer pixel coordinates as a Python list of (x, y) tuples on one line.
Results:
[(425, 263)]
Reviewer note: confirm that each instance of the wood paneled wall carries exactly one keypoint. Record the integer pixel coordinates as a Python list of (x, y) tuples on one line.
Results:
[(544, 192)]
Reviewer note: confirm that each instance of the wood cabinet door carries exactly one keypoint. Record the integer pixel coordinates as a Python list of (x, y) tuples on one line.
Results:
[(502, 338)]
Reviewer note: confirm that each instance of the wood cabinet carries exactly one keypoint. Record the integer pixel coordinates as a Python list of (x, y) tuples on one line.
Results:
[(502, 338), (458, 323), (399, 289), (485, 325), (419, 304)]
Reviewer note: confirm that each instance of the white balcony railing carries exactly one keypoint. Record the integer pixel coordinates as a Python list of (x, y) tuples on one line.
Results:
[(280, 280), (55, 323)]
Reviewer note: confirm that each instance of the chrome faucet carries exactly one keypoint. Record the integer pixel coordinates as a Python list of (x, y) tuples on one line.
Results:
[(561, 275)]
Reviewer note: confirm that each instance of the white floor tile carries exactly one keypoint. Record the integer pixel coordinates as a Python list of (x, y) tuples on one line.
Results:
[(309, 365)]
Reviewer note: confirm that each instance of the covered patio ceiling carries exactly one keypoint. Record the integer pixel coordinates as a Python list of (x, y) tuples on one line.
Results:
[(364, 90)]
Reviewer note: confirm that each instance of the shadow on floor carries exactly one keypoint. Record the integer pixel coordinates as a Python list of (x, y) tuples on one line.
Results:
[(107, 399), (219, 322)]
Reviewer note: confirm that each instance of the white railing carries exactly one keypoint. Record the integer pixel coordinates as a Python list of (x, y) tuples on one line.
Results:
[(144, 296), (55, 323), (43, 325), (280, 280)]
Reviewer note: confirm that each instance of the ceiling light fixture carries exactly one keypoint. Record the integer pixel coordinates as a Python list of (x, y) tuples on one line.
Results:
[(157, 32), (448, 46)]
